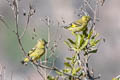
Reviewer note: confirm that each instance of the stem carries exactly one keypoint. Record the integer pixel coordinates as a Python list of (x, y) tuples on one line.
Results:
[(25, 27), (16, 12), (55, 69), (48, 24)]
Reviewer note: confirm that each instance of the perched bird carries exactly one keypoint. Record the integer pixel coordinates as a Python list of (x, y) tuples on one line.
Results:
[(79, 25), (35, 53)]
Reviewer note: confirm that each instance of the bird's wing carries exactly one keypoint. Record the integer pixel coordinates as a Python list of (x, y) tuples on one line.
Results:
[(41, 52), (78, 22), (31, 51), (37, 54)]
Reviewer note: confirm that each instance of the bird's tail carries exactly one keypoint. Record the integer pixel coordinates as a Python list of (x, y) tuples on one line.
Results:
[(66, 27), (25, 61)]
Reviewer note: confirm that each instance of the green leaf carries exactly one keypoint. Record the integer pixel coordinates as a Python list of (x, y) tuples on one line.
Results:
[(67, 43), (56, 78), (97, 41), (85, 32), (50, 78), (84, 44), (82, 40), (71, 41), (73, 59), (96, 35), (78, 69), (67, 64), (93, 51), (73, 62), (90, 34), (59, 73), (78, 38), (68, 58), (67, 70), (94, 42), (74, 71)]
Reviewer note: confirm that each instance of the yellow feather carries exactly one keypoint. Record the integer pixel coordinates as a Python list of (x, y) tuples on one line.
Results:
[(79, 25), (36, 53)]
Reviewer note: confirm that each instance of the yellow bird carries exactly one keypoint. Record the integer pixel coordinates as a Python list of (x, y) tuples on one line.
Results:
[(35, 53), (79, 25)]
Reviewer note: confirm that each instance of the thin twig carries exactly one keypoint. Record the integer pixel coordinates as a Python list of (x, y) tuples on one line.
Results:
[(25, 29), (16, 12), (55, 45), (52, 66), (89, 5), (40, 73), (54, 69), (52, 50), (95, 15), (31, 13), (48, 23)]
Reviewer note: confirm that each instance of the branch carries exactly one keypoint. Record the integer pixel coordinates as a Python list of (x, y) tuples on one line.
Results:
[(54, 69), (30, 14), (40, 73), (16, 12), (48, 24), (86, 1)]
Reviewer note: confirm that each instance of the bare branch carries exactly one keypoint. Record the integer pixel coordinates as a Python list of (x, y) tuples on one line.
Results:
[(48, 24), (15, 9), (86, 1), (54, 69), (36, 68), (31, 12)]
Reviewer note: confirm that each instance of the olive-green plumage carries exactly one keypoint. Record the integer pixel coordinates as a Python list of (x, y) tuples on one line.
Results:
[(35, 53), (79, 25)]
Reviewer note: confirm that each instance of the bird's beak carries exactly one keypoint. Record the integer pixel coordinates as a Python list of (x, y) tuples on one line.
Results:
[(46, 42)]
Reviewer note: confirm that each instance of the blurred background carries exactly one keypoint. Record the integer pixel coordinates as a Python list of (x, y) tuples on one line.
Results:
[(106, 62)]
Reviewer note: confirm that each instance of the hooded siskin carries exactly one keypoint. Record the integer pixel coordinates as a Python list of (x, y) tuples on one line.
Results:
[(35, 53), (79, 25)]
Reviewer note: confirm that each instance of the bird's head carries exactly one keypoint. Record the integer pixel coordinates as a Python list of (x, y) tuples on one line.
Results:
[(41, 43), (85, 18)]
